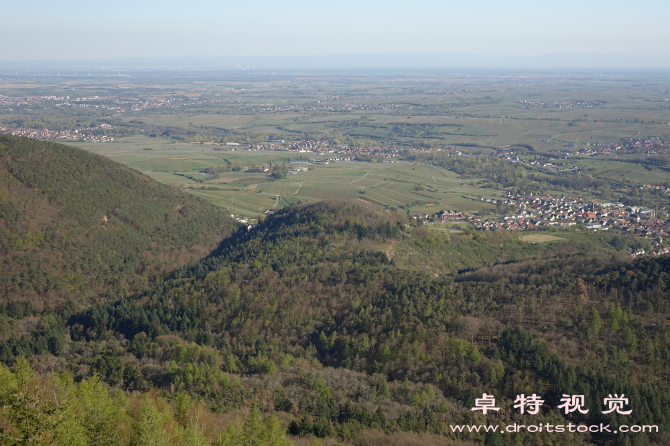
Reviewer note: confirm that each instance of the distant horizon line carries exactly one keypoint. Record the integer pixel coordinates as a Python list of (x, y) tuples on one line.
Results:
[(402, 60)]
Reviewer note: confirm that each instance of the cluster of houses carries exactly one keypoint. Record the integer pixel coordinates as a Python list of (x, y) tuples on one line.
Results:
[(65, 135), (652, 186), (243, 221), (449, 215), (99, 102), (638, 252), (155, 104), (536, 211), (259, 147), (18, 101), (454, 91), (661, 251), (346, 152), (442, 215), (335, 107), (536, 160), (658, 250), (240, 219), (387, 153), (496, 201), (342, 152), (555, 104), (297, 170), (649, 146), (307, 145), (533, 210)]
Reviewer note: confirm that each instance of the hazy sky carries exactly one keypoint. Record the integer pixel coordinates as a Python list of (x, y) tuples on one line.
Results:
[(77, 29)]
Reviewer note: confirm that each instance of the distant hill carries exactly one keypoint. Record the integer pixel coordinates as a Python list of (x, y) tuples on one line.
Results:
[(75, 225)]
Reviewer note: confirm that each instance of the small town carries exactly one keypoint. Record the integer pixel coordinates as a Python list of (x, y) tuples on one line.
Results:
[(111, 103), (568, 104), (62, 135), (342, 107), (648, 146), (325, 147), (536, 210)]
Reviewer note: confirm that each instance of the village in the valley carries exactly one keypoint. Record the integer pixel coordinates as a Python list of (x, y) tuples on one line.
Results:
[(542, 211)]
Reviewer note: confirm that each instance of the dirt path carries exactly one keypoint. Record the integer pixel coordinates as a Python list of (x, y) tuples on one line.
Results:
[(362, 178)]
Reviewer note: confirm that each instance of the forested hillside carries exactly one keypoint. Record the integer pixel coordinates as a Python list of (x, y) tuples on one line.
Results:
[(336, 318), (77, 226)]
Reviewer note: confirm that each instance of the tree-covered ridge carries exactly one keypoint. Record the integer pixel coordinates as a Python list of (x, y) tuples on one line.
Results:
[(74, 224), (337, 227), (309, 316), (309, 288)]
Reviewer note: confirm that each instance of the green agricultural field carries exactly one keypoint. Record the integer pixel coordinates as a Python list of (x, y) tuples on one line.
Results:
[(452, 227), (417, 188), (161, 155), (222, 121), (238, 201), (539, 237), (624, 168), (399, 185)]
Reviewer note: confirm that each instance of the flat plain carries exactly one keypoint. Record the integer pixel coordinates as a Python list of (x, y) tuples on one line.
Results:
[(176, 130)]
